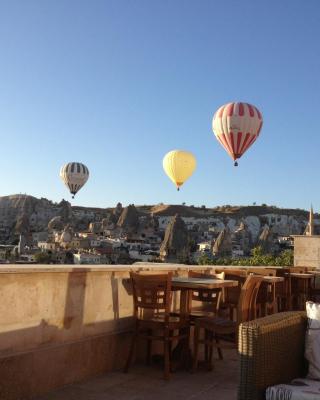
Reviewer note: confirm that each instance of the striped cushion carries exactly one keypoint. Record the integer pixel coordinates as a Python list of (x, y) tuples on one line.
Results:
[(298, 389)]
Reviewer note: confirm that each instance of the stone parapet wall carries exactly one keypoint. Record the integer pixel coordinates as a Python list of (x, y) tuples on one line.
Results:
[(61, 324)]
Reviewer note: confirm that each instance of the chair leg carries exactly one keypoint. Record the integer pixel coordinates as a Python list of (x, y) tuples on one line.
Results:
[(185, 355), (149, 348), (231, 313), (206, 347), (166, 357), (131, 352), (210, 358), (196, 348), (219, 349)]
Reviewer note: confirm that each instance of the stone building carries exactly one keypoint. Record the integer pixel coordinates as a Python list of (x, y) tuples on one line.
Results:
[(307, 246)]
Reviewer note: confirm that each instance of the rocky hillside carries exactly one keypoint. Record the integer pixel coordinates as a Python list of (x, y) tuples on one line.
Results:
[(26, 214)]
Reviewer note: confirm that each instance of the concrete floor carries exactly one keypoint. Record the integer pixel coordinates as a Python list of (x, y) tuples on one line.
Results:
[(146, 383)]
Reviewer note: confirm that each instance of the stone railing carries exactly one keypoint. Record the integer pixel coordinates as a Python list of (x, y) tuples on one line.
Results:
[(60, 324)]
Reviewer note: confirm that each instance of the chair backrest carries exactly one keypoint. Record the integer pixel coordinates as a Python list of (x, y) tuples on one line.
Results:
[(232, 294), (151, 293), (233, 271), (248, 297), (263, 271), (211, 296), (298, 270), (206, 275)]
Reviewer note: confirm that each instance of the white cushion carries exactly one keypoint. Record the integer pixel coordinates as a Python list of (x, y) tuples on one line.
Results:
[(312, 347), (298, 389)]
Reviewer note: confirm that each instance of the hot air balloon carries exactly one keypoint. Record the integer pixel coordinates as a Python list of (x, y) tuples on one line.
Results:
[(74, 175), (179, 166), (237, 126)]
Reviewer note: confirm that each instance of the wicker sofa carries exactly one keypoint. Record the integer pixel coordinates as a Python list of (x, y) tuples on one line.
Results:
[(271, 352)]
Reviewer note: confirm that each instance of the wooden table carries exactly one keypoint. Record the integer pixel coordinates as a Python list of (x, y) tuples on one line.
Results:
[(271, 281), (306, 280), (182, 283), (187, 285)]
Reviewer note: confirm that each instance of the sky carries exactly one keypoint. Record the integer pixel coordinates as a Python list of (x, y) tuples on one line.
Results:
[(116, 84)]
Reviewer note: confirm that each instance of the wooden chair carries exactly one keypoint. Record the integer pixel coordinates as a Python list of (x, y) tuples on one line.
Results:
[(222, 329), (263, 271), (300, 289), (152, 297), (230, 296), (283, 290), (265, 294), (209, 299)]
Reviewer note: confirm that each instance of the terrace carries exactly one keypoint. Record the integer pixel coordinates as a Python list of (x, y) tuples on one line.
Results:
[(64, 334)]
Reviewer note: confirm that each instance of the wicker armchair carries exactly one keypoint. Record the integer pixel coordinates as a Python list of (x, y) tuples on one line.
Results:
[(271, 351)]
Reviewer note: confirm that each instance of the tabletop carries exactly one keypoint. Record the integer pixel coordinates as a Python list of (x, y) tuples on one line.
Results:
[(301, 275), (273, 279), (198, 283)]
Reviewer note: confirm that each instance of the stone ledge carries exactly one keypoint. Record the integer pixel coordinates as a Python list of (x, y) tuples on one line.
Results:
[(29, 374)]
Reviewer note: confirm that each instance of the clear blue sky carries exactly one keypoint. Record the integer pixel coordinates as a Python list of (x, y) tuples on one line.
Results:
[(117, 84)]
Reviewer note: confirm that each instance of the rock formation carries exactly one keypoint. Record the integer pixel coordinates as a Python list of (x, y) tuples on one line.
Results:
[(66, 236), (22, 226), (110, 221), (65, 211), (242, 238), (175, 246), (129, 219), (55, 224), (223, 245), (266, 240), (96, 227), (19, 211)]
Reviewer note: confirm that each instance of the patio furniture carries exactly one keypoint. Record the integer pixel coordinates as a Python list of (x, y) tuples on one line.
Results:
[(222, 333), (231, 295), (283, 291), (209, 299), (188, 285), (152, 297), (271, 351), (300, 288)]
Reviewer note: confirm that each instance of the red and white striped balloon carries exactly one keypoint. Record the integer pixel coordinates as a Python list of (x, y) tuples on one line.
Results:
[(237, 126)]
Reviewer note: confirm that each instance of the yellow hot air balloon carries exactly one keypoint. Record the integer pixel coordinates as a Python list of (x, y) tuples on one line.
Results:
[(179, 166)]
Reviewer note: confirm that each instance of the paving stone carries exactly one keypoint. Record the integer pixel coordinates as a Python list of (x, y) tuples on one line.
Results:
[(147, 383)]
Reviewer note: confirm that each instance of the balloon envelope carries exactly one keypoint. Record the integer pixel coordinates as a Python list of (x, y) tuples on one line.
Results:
[(179, 166), (74, 175), (237, 126)]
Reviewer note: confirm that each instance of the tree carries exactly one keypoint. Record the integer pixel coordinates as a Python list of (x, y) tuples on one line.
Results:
[(42, 258), (258, 258)]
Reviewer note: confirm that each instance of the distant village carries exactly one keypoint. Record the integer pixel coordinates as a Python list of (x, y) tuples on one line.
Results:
[(39, 231)]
